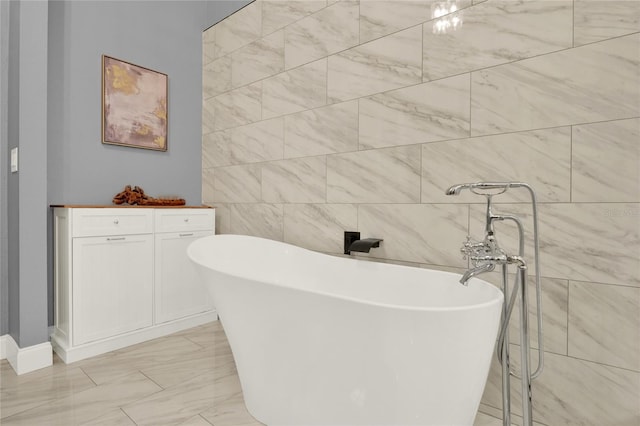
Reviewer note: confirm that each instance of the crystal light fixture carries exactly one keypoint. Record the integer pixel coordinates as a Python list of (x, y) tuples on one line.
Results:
[(446, 16)]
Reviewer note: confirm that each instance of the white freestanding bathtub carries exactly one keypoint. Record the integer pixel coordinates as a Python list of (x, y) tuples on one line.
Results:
[(324, 340)]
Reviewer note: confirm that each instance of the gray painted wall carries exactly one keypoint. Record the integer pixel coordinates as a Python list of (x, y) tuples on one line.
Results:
[(4, 238), (64, 154)]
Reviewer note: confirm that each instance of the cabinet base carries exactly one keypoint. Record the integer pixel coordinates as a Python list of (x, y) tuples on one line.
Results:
[(70, 354)]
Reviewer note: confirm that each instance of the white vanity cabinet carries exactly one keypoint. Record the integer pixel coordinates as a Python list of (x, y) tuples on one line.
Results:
[(178, 290), (122, 276)]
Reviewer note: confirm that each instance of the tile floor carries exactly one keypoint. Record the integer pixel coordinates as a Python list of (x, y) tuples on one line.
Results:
[(187, 378)]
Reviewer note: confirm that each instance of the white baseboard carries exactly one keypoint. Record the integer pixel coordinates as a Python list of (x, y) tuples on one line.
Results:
[(25, 360), (70, 354), (3, 345)]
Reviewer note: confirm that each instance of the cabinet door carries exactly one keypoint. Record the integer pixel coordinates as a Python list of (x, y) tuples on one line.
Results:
[(112, 286), (179, 290)]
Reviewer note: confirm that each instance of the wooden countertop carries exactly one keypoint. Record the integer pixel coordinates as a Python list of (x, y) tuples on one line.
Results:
[(119, 206)]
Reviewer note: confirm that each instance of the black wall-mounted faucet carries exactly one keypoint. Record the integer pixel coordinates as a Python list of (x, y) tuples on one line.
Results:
[(352, 242)]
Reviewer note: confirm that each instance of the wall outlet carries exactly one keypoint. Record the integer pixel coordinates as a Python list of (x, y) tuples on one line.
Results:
[(14, 160)]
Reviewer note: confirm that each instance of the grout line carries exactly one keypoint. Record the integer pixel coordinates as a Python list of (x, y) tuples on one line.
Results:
[(90, 378), (125, 413), (161, 387)]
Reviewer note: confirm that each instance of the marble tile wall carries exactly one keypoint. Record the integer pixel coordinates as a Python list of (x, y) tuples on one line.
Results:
[(322, 116)]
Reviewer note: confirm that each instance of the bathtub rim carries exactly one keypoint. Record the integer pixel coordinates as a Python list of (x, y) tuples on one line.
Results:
[(498, 299)]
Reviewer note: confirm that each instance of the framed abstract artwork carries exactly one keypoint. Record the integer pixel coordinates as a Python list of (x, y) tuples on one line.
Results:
[(134, 105)]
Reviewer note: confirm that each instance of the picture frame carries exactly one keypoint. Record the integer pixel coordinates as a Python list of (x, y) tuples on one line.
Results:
[(134, 105)]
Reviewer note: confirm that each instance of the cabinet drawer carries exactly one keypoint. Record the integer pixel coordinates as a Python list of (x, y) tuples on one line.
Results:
[(179, 220), (102, 222)]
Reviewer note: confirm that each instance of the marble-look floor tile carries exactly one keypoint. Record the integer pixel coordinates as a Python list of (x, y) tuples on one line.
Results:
[(384, 64), (231, 412), (542, 158), (498, 32), (596, 20), (113, 365), (592, 242), (86, 405), (238, 184), (554, 89), (18, 395), (216, 77), (239, 29), (297, 180), (181, 402), (238, 107), (258, 220), (296, 90), (323, 33), (423, 233), (319, 226), (324, 130), (113, 418), (260, 59), (606, 162), (196, 421), (604, 324), (390, 175), (218, 360), (382, 17), (278, 13), (427, 112)]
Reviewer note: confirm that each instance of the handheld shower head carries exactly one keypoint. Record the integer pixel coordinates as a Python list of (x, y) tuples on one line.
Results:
[(484, 188)]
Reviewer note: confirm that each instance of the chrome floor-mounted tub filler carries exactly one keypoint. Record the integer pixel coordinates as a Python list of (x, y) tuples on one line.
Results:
[(483, 257)]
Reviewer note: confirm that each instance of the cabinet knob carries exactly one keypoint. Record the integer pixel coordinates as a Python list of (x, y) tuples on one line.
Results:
[(116, 221), (186, 219)]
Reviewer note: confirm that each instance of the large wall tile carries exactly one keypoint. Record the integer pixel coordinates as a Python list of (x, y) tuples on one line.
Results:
[(238, 107), (389, 175), (593, 242), (324, 130), (327, 31), (424, 233), (279, 13), (596, 20), (238, 184), (208, 193), (573, 392), (427, 112), (262, 141), (554, 89), (555, 300), (223, 218), (606, 161), (319, 226), (604, 324), (239, 29), (388, 63), (262, 58), (497, 32), (296, 90), (216, 149), (382, 17), (208, 115), (216, 77), (209, 48), (300, 180), (258, 220), (541, 158)]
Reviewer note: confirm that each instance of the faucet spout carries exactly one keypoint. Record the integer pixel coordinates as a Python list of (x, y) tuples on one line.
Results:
[(364, 245), (485, 267)]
